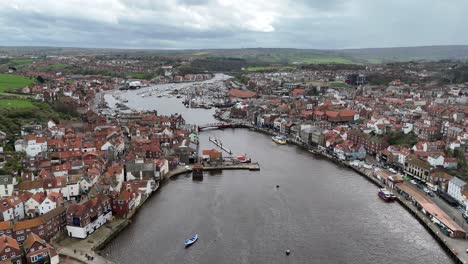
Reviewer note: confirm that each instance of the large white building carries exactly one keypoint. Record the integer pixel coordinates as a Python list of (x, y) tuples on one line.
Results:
[(455, 189)]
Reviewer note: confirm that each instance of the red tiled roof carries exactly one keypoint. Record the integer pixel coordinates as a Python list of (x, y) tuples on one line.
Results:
[(22, 225), (242, 93), (6, 241), (5, 225)]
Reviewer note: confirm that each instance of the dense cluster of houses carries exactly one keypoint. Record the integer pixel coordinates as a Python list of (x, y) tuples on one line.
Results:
[(78, 175), (354, 122)]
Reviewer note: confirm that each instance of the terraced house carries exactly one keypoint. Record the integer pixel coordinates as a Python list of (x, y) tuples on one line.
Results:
[(85, 218)]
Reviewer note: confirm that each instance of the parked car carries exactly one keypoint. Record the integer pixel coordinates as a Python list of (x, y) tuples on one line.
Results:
[(413, 182), (431, 194), (420, 186), (426, 190), (465, 216)]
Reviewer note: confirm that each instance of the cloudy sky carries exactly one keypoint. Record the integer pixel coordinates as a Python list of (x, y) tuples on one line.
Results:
[(197, 24)]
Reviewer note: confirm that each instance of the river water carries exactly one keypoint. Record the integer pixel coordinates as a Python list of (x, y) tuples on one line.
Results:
[(322, 212)]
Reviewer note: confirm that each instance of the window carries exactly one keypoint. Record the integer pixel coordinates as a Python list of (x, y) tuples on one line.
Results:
[(13, 254), (41, 233), (4, 257), (44, 254), (40, 247), (20, 232), (34, 258), (7, 249)]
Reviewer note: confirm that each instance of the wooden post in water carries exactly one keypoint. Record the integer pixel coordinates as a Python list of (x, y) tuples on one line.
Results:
[(197, 172)]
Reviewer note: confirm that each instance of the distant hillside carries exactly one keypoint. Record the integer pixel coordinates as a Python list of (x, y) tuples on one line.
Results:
[(457, 52), (272, 55)]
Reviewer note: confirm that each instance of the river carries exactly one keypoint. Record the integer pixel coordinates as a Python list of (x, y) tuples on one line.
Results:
[(322, 212)]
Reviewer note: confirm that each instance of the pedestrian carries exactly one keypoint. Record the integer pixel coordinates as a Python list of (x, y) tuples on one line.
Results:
[(74, 251)]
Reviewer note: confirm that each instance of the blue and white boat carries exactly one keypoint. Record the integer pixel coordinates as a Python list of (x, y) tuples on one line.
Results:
[(191, 241)]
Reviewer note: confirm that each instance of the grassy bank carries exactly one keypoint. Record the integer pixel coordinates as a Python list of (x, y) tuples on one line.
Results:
[(13, 81), (15, 103)]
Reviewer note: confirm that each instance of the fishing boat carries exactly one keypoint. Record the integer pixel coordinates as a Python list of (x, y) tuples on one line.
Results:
[(243, 159), (191, 241), (386, 195), (279, 140)]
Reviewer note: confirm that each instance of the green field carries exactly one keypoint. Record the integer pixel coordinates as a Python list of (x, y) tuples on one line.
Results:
[(14, 103), (201, 53), (20, 62), (136, 75), (324, 60), (57, 66), (338, 84), (268, 68), (13, 81)]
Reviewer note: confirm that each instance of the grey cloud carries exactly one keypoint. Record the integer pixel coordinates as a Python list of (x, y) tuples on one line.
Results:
[(232, 24)]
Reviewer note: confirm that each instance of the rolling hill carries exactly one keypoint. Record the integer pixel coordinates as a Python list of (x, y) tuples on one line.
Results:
[(272, 55)]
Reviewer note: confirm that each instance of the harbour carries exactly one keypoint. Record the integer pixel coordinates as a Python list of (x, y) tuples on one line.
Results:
[(274, 210)]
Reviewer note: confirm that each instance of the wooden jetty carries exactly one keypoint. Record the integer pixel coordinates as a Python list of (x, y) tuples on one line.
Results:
[(220, 145)]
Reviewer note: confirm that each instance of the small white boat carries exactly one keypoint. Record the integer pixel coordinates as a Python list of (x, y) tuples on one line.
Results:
[(279, 140), (191, 241)]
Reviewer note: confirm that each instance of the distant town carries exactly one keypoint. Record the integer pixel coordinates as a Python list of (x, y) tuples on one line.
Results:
[(75, 167)]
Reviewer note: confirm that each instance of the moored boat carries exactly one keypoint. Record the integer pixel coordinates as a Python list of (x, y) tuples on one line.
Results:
[(191, 241), (279, 140), (243, 159), (386, 195)]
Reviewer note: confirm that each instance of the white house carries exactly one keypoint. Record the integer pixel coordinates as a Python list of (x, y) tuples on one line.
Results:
[(7, 184), (455, 189), (80, 224), (72, 191), (32, 145), (7, 211), (162, 167), (407, 127), (454, 144), (435, 160), (402, 156), (51, 124), (86, 184), (18, 206), (50, 202), (31, 206)]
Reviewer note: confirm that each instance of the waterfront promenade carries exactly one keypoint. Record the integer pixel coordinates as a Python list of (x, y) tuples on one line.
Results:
[(77, 249)]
